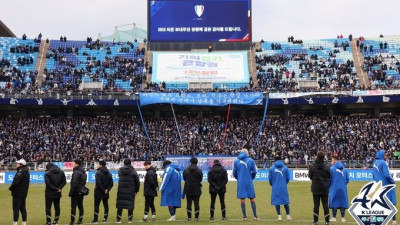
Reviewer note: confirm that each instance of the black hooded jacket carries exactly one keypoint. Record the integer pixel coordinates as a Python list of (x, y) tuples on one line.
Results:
[(150, 182), (320, 176), (218, 178), (78, 181), (104, 181), (55, 179), (193, 178), (128, 186), (20, 184)]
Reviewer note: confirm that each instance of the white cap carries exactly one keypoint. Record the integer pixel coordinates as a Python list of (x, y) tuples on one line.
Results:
[(22, 161)]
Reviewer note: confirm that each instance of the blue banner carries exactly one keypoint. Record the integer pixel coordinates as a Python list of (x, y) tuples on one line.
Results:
[(203, 99)]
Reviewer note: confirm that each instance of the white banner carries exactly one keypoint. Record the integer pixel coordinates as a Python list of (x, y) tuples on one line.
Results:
[(200, 67), (300, 175), (2, 178)]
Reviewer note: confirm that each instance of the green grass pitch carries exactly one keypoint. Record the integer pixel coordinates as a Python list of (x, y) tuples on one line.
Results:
[(300, 206)]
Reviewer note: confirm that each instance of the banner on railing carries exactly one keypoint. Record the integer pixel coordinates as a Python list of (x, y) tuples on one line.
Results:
[(204, 162), (203, 99), (2, 178)]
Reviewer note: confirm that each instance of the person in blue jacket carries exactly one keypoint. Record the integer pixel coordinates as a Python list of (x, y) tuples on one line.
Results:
[(244, 170), (338, 198), (380, 172), (171, 188), (279, 178)]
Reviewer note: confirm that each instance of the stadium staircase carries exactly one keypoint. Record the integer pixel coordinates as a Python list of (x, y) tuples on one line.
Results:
[(41, 61), (148, 56), (252, 63), (358, 62)]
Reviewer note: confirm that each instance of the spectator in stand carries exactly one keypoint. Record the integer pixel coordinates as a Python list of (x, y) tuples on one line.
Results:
[(278, 179), (244, 170), (55, 181), (104, 184), (19, 191), (171, 188), (128, 187), (338, 197)]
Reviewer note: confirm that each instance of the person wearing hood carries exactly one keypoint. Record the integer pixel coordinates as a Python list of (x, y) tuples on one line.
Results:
[(150, 190), (193, 176), (104, 183), (380, 172), (338, 198), (279, 177), (320, 176), (171, 188), (128, 187), (245, 170), (218, 178), (19, 191), (55, 181), (78, 182)]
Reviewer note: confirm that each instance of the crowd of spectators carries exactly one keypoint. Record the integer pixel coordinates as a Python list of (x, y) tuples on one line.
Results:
[(298, 138)]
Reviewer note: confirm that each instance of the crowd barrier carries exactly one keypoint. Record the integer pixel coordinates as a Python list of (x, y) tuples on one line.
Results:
[(262, 175)]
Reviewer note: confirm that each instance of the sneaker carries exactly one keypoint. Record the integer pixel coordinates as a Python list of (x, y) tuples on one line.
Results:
[(224, 218), (288, 217), (55, 222), (189, 219), (333, 219), (172, 218), (279, 218), (79, 222), (211, 218), (153, 219), (118, 221), (315, 223), (129, 221), (256, 218), (244, 219), (94, 222), (196, 219), (15, 223), (326, 223), (143, 220), (23, 223), (104, 221), (343, 220)]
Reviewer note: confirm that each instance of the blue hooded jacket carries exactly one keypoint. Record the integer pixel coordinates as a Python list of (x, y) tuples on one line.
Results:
[(338, 197), (244, 170), (171, 186), (279, 178), (381, 172)]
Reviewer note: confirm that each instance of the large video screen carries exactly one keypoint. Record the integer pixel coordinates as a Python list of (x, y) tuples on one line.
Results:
[(199, 20)]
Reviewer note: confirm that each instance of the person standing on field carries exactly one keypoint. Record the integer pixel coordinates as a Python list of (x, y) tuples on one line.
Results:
[(128, 187), (320, 176), (55, 181), (19, 191), (171, 188), (193, 176), (279, 178), (104, 183), (338, 198), (78, 182), (218, 178), (245, 170), (150, 191)]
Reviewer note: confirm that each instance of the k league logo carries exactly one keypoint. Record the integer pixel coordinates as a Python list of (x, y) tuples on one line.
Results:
[(371, 206), (199, 9)]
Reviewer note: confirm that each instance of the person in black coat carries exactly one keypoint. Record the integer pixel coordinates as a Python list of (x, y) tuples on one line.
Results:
[(128, 187), (19, 190), (104, 183), (78, 182), (320, 176), (218, 178), (150, 190), (193, 177), (55, 181)]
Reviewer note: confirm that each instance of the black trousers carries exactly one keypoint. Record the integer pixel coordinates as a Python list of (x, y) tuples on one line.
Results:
[(149, 204), (97, 201), (196, 200), (77, 200), (48, 203), (19, 205), (324, 199), (221, 200), (119, 214)]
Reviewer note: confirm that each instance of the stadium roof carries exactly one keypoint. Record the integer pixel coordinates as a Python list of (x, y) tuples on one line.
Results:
[(5, 31)]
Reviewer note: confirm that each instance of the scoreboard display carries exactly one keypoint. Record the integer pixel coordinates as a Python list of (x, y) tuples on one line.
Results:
[(199, 20)]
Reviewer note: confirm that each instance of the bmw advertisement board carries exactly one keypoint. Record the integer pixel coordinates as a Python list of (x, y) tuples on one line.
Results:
[(199, 20)]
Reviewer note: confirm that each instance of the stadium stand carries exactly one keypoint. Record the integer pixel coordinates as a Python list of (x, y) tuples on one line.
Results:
[(381, 61)]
